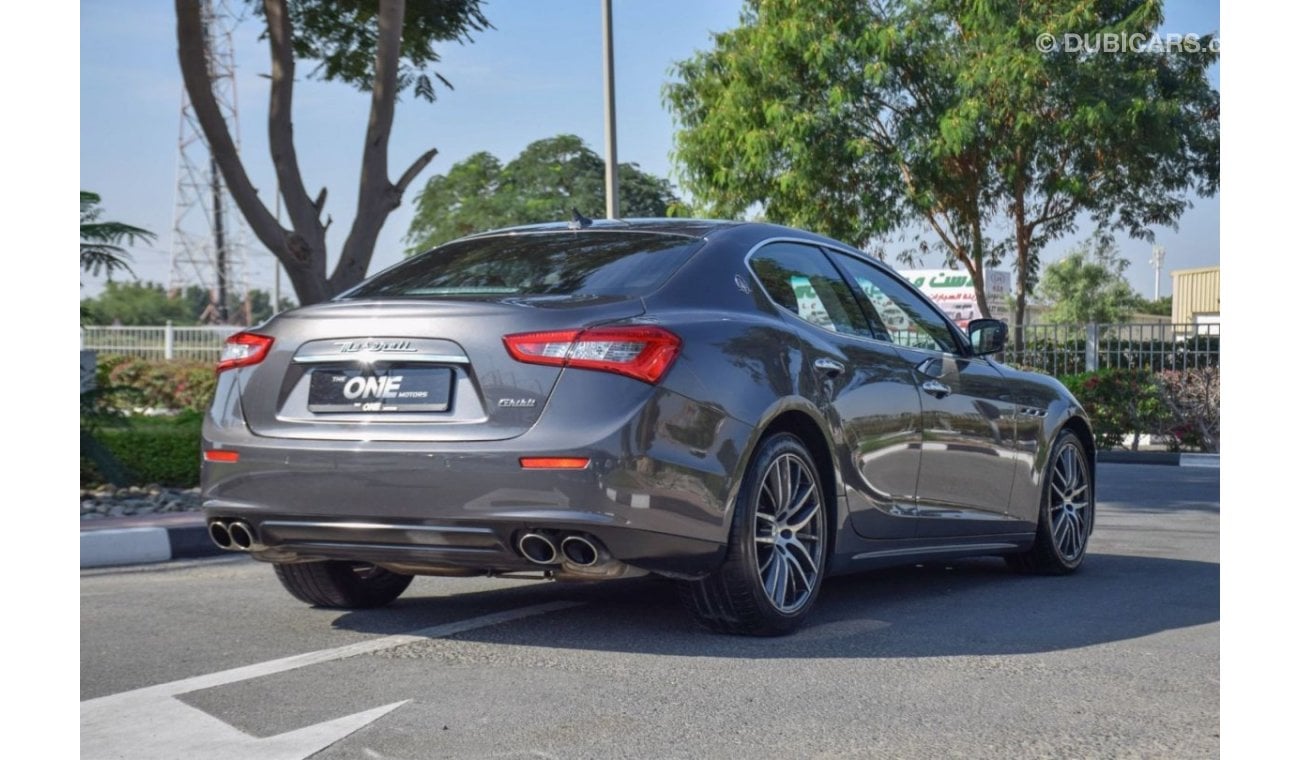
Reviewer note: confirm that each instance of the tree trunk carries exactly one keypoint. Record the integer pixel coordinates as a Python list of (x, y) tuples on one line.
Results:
[(302, 247), (378, 196), (1022, 264)]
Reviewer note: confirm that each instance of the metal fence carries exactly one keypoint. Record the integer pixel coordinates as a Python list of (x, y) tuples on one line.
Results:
[(165, 342), (1054, 349), (1069, 349)]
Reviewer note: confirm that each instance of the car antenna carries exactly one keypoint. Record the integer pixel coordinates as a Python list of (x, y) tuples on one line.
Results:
[(578, 221)]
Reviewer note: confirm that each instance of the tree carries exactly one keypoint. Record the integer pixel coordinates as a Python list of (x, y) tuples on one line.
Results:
[(101, 242), (860, 117), (1088, 285), (379, 47), (543, 183), (1163, 306)]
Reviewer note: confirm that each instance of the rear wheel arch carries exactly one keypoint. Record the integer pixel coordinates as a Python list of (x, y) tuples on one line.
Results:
[(803, 425)]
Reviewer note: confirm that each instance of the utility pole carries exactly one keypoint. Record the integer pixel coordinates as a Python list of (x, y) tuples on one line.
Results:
[(1157, 261), (207, 247), (611, 131)]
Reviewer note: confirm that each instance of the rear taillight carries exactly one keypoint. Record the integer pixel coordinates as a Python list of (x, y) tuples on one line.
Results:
[(642, 352), (244, 349)]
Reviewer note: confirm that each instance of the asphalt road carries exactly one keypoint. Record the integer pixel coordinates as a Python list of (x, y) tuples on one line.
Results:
[(963, 659)]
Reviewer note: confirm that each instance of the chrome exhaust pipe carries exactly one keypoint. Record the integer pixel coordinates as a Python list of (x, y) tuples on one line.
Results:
[(538, 549), (580, 551), (241, 535), (219, 534)]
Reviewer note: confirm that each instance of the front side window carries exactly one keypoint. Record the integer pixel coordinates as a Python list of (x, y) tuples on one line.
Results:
[(908, 320), (800, 278)]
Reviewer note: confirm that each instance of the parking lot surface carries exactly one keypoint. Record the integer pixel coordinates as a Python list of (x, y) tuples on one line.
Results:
[(212, 658)]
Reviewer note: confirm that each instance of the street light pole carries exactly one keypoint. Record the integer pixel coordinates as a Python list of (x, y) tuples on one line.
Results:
[(611, 132)]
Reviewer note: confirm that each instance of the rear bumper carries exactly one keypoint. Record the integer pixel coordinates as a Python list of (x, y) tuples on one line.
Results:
[(655, 501), (468, 548)]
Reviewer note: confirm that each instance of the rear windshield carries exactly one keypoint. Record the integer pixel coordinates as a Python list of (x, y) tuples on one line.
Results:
[(616, 263)]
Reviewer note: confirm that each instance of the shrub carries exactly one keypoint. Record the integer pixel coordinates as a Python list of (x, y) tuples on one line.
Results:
[(1120, 402), (1192, 400), (151, 450), (142, 383)]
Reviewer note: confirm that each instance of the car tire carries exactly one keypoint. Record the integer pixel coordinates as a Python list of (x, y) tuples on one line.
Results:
[(1066, 512), (777, 547), (341, 585)]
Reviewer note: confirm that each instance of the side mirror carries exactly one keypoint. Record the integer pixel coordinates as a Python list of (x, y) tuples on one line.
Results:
[(987, 336)]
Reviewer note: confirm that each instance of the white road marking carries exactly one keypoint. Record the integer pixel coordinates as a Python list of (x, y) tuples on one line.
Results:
[(151, 723)]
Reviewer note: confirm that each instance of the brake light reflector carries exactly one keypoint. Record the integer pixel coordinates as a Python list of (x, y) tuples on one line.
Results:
[(220, 455), (553, 463), (244, 349), (638, 351)]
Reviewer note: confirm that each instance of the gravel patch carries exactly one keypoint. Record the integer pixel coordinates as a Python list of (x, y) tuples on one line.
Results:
[(108, 501)]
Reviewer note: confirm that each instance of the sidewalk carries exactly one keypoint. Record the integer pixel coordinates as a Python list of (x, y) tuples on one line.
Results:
[(144, 538)]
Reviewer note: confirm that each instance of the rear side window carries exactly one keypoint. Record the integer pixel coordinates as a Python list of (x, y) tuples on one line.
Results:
[(582, 263), (800, 278)]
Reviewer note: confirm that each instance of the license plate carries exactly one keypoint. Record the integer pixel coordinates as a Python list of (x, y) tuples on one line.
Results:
[(387, 390)]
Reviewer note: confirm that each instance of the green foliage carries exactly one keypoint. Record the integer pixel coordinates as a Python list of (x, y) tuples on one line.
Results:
[(1180, 405), (856, 117), (98, 412), (159, 450), (1119, 402), (140, 383), (148, 303), (102, 242), (543, 184), (342, 36), (1088, 285), (1163, 305)]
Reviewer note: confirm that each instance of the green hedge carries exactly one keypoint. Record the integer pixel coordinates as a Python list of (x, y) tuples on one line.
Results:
[(1181, 405), (152, 450)]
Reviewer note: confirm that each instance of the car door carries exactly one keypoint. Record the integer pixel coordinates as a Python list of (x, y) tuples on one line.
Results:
[(865, 388), (968, 411)]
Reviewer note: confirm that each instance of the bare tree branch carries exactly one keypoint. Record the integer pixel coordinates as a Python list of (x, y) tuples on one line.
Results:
[(414, 170), (377, 196), (303, 215)]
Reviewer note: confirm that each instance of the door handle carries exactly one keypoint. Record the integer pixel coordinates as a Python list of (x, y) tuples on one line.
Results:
[(935, 388), (828, 367)]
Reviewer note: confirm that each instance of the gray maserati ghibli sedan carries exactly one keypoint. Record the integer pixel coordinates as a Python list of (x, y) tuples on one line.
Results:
[(742, 407)]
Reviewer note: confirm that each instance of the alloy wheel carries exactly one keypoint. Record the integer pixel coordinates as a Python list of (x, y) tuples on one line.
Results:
[(789, 533), (1069, 503)]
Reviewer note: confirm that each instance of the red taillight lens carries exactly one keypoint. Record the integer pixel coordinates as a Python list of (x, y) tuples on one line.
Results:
[(243, 349), (642, 352)]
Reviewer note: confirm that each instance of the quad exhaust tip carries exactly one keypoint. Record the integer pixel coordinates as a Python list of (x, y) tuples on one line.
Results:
[(580, 551), (219, 534), (538, 549), (241, 535), (235, 535)]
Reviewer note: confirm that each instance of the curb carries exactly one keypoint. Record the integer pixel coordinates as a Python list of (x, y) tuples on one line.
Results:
[(136, 541), (1172, 459)]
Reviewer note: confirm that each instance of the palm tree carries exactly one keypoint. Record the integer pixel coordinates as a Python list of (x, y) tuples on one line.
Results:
[(101, 242)]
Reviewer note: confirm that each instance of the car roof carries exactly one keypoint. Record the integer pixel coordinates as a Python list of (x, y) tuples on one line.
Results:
[(672, 226)]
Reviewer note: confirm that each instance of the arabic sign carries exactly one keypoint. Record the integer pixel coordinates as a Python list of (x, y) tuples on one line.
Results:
[(954, 293)]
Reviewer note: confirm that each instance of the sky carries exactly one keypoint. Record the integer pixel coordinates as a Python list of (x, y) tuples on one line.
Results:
[(536, 74)]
